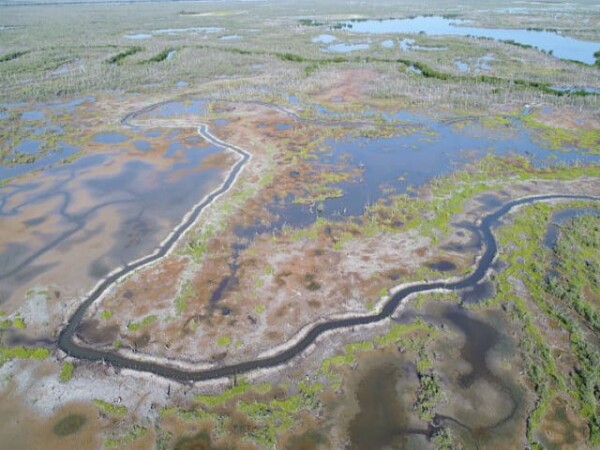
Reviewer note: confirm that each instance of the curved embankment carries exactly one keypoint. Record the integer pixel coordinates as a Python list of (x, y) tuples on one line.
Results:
[(66, 343), (73, 349)]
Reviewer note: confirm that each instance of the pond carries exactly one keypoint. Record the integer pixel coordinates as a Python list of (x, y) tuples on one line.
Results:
[(175, 31), (563, 47), (101, 210), (324, 39), (393, 165), (560, 217), (110, 138), (62, 152), (344, 48)]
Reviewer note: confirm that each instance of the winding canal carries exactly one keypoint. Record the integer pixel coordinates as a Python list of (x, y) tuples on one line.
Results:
[(67, 343)]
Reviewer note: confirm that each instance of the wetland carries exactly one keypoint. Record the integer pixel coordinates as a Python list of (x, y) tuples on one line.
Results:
[(298, 225)]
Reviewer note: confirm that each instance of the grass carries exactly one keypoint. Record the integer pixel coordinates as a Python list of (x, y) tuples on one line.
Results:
[(197, 246), (275, 410), (12, 56), (558, 138), (110, 408), (162, 56), (529, 260), (21, 352), (66, 372), (224, 341), (133, 433), (120, 57), (145, 322), (447, 197), (181, 301), (243, 387), (18, 323)]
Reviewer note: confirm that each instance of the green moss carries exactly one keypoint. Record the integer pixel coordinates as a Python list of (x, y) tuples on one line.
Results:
[(106, 314), (181, 301), (197, 246), (66, 372), (110, 408), (134, 433), (18, 323), (224, 341), (8, 353), (233, 392), (562, 138), (145, 322)]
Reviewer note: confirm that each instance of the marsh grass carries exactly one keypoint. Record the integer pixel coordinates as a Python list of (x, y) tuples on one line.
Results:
[(522, 243), (120, 57)]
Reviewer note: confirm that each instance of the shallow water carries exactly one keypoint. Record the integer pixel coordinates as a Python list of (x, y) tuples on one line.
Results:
[(561, 46), (110, 138), (60, 153), (138, 36), (33, 115), (128, 200), (560, 217), (383, 419), (324, 39), (143, 146), (393, 164), (462, 66), (344, 48), (586, 89), (176, 108), (175, 31), (29, 147)]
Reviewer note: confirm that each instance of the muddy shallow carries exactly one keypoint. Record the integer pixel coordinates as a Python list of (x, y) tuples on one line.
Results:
[(482, 402), (81, 220)]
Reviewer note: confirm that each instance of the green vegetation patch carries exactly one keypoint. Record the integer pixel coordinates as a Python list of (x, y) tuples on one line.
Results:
[(134, 433), (197, 246), (224, 341), (66, 372), (18, 323), (70, 424), (20, 352), (241, 388), (181, 301), (110, 408), (12, 55), (119, 57), (561, 138), (530, 261), (145, 322), (162, 56)]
